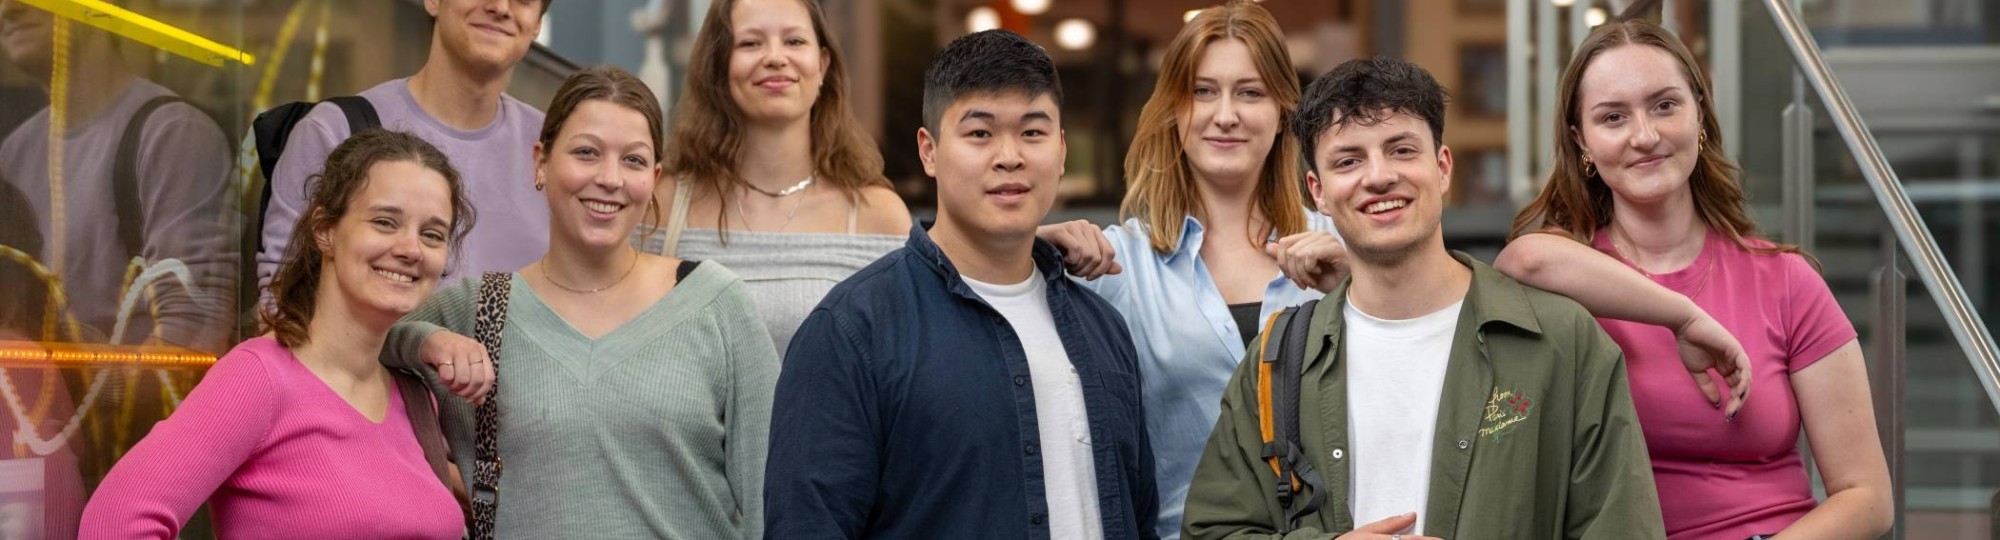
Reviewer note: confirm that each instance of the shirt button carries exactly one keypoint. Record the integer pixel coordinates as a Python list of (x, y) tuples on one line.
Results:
[(1337, 454), (1463, 444), (1036, 519), (1030, 449), (1019, 380)]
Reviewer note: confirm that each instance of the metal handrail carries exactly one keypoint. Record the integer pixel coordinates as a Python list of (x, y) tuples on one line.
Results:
[(1908, 225)]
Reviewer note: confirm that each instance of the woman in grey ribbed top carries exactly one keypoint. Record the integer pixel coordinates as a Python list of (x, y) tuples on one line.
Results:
[(785, 274), (634, 390), (771, 164)]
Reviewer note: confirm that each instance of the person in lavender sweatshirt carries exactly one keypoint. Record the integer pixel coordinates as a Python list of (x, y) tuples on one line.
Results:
[(455, 102), (298, 433)]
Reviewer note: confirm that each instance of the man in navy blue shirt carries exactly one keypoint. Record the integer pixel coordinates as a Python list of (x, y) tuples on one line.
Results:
[(961, 387)]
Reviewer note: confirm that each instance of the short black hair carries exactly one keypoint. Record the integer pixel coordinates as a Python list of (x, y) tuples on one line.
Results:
[(1358, 91), (991, 61)]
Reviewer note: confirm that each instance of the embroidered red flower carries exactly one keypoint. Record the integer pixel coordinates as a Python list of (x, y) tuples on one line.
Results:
[(1521, 404)]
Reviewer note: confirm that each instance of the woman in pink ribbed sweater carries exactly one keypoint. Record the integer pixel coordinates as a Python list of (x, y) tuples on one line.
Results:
[(299, 433)]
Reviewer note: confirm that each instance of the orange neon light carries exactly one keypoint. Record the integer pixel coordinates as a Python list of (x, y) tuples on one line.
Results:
[(67, 354)]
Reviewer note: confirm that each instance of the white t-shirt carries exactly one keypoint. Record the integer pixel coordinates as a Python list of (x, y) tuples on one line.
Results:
[(1395, 377), (1060, 417)]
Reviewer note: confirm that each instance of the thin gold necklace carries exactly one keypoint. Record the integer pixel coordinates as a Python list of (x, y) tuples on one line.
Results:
[(1706, 272), (551, 278)]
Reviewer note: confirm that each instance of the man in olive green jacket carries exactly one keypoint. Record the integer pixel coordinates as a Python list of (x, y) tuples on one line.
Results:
[(1438, 396)]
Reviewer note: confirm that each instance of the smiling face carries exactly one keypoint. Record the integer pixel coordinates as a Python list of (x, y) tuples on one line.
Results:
[(599, 174), (1231, 120), (997, 158), (776, 64), (1383, 184), (1638, 123), (387, 253), (486, 34)]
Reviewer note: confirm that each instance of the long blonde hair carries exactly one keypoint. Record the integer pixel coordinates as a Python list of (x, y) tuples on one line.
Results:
[(1162, 191)]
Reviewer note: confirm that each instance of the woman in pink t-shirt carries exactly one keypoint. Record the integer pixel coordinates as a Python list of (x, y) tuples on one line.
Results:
[(300, 433), (1643, 222)]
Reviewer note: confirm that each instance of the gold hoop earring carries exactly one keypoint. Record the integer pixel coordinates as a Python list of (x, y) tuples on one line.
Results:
[(1589, 169), (1702, 138), (538, 186)]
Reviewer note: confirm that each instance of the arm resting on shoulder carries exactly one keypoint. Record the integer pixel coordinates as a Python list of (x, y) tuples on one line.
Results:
[(1603, 285)]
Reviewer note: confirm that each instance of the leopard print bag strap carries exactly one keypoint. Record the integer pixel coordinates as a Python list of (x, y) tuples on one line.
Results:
[(494, 288)]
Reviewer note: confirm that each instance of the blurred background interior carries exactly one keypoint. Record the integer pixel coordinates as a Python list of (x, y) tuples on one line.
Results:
[(1878, 150)]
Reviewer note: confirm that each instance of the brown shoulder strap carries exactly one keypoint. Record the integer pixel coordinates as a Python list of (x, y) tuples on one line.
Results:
[(423, 415)]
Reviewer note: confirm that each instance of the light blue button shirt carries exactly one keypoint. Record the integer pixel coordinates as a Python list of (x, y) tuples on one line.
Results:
[(1188, 345)]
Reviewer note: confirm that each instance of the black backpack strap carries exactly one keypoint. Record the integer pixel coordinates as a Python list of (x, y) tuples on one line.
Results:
[(1285, 389), (131, 215), (273, 128), (360, 113), (488, 327)]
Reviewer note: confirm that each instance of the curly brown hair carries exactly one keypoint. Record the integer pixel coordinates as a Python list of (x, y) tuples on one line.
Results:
[(295, 288)]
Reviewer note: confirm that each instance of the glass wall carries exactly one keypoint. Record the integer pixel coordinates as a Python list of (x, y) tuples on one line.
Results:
[(128, 207)]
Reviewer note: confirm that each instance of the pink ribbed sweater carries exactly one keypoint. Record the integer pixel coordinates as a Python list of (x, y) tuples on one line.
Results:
[(277, 454)]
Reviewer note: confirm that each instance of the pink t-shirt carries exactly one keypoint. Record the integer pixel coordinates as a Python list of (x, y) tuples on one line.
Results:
[(1721, 479), (277, 454)]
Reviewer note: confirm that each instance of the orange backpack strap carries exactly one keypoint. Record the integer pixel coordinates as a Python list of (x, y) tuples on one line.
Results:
[(1265, 425)]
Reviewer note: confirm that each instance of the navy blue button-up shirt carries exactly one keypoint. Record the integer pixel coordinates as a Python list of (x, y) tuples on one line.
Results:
[(905, 410)]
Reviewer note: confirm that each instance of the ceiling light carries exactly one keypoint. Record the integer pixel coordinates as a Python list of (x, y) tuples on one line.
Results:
[(1031, 7), (981, 19), (1075, 34)]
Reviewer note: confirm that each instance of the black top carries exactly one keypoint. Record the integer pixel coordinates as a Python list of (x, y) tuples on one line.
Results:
[(687, 267), (1246, 319)]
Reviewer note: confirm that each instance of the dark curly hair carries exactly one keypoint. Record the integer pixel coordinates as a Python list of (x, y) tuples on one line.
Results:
[(295, 288), (1367, 91), (992, 61)]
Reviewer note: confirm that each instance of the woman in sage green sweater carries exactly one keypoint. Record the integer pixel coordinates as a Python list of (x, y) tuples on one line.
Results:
[(634, 390)]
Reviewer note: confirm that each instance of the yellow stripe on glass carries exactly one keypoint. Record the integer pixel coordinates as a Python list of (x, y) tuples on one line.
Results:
[(144, 29)]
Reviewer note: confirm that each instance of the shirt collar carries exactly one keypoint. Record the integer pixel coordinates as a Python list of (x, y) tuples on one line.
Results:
[(1192, 235), (1048, 259), (1493, 298)]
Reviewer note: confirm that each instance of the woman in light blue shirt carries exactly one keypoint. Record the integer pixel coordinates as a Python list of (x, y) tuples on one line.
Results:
[(1214, 201)]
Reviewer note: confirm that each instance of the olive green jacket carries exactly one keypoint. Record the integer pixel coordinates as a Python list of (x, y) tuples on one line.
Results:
[(1536, 437)]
